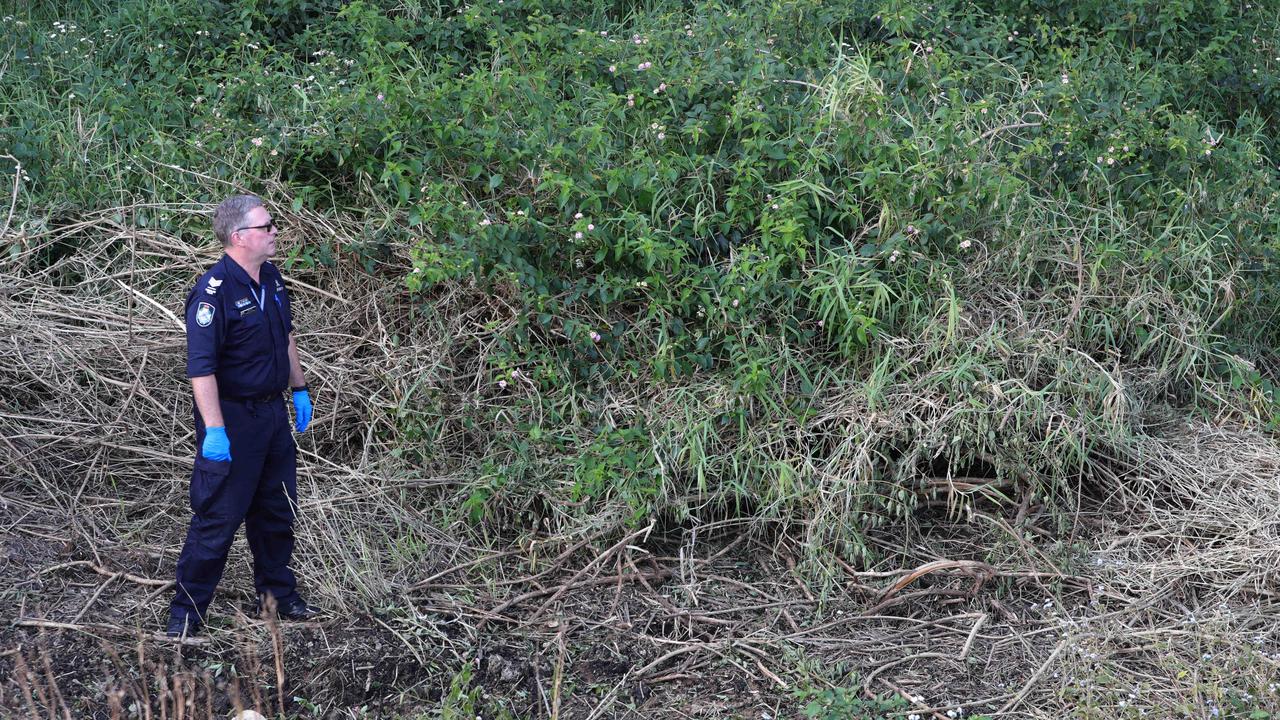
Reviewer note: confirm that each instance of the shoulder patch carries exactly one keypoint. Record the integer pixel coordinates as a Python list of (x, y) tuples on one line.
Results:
[(211, 288), (204, 314)]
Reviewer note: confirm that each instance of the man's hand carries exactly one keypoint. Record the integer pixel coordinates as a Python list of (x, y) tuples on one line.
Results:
[(216, 446), (301, 409)]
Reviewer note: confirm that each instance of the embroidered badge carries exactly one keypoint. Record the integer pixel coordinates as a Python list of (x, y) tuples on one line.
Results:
[(215, 282), (204, 314), (212, 289)]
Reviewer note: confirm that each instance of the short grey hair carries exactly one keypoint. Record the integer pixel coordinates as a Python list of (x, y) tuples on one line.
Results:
[(230, 214)]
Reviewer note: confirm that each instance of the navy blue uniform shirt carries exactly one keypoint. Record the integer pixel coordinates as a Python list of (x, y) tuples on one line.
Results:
[(238, 330)]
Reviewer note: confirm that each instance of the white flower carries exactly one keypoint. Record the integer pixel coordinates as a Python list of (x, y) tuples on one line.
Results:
[(964, 244), (1065, 79), (591, 226), (577, 235), (662, 136), (577, 216), (613, 68), (257, 141)]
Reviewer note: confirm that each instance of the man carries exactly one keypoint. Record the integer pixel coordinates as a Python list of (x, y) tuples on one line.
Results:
[(241, 356)]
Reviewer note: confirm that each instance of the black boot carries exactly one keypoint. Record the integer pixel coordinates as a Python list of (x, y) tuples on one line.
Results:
[(295, 609), (182, 626)]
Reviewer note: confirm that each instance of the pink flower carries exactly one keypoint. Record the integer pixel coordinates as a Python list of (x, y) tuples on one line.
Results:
[(577, 216), (257, 141), (735, 302), (613, 68), (595, 336), (591, 226), (380, 98), (577, 235), (502, 384)]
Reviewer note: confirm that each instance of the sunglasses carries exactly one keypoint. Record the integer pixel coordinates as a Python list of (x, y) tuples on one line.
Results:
[(268, 227)]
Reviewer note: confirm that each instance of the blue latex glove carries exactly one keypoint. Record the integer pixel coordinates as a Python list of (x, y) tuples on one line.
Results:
[(301, 410), (216, 446)]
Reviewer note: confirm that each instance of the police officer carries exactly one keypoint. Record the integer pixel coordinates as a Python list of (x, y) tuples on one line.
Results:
[(241, 356)]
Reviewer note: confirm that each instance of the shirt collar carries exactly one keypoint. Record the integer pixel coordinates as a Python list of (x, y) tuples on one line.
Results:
[(240, 274)]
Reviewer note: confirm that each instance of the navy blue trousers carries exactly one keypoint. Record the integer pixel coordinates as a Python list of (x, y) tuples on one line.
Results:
[(257, 487)]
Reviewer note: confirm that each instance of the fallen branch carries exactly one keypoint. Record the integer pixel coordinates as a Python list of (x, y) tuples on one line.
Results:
[(109, 573)]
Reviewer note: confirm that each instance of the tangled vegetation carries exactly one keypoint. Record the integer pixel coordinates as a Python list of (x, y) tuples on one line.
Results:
[(793, 266)]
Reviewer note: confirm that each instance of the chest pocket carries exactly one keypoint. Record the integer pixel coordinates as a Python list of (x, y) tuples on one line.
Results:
[(249, 324)]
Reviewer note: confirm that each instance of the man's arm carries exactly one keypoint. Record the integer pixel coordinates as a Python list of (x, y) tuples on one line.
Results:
[(205, 390), (301, 398), (295, 365)]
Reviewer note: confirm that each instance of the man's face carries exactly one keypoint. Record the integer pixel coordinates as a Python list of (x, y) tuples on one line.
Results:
[(254, 235)]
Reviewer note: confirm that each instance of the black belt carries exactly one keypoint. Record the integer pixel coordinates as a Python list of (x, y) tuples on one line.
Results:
[(263, 398)]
